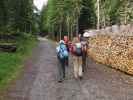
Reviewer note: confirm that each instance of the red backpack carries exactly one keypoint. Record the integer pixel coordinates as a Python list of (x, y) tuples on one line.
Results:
[(76, 50)]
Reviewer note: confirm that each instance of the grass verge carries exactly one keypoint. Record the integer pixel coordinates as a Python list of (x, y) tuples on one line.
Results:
[(11, 64)]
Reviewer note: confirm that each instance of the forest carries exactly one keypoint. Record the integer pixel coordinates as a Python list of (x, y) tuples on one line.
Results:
[(17, 39), (20, 21), (16, 16), (63, 16), (71, 17)]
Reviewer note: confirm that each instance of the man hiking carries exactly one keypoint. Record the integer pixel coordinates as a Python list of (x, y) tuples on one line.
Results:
[(62, 55), (84, 50)]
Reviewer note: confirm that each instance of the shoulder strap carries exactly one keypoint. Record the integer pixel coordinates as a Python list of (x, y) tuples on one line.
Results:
[(61, 49)]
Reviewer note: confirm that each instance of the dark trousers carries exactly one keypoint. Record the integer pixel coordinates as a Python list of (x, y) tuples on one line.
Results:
[(61, 68), (84, 57)]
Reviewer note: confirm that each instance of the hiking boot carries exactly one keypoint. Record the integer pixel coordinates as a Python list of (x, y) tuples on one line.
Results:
[(80, 77), (60, 81)]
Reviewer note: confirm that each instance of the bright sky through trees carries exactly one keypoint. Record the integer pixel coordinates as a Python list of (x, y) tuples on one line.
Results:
[(40, 3)]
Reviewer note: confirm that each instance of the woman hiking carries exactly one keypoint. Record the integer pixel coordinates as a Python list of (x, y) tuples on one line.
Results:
[(62, 56)]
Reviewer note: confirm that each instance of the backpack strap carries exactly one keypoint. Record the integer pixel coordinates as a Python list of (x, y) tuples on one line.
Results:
[(61, 49)]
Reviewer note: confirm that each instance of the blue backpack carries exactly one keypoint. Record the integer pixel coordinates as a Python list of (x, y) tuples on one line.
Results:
[(63, 53)]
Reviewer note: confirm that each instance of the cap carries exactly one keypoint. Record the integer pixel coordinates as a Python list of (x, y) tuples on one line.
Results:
[(61, 42)]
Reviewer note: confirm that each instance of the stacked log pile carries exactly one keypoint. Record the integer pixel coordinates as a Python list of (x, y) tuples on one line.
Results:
[(115, 51), (8, 43)]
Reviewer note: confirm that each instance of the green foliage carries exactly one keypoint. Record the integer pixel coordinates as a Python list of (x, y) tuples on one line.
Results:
[(115, 11), (16, 15), (61, 16), (87, 16), (126, 12), (12, 63)]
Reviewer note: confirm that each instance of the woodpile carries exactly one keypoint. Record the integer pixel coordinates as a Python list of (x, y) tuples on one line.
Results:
[(115, 29), (115, 51), (8, 43), (108, 30), (8, 47), (123, 30)]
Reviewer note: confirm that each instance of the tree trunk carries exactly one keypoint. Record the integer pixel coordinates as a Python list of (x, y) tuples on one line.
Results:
[(77, 26), (125, 21), (98, 15), (104, 23), (68, 32), (53, 33), (68, 29), (60, 31), (71, 37)]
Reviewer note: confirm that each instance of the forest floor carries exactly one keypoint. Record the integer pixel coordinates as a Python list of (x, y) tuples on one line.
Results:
[(39, 80)]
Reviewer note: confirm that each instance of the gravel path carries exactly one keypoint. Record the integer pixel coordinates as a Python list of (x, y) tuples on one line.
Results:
[(39, 81)]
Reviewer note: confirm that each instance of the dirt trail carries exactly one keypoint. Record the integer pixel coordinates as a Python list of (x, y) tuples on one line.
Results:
[(39, 81)]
